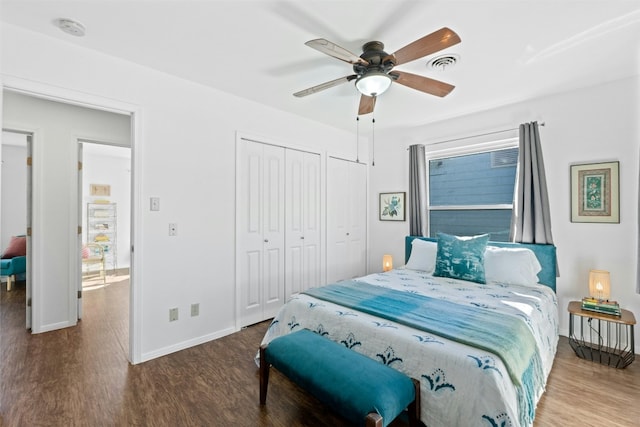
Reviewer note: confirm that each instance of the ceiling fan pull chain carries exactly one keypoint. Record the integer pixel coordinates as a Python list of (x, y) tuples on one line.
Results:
[(357, 139), (373, 142)]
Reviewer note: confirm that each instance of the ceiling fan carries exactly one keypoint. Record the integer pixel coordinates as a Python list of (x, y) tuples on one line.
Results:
[(374, 69)]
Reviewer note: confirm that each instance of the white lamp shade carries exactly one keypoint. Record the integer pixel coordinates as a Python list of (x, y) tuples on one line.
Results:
[(599, 284), (373, 83), (387, 263)]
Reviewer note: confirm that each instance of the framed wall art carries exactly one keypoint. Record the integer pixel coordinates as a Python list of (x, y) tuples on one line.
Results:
[(595, 192), (392, 206), (100, 189)]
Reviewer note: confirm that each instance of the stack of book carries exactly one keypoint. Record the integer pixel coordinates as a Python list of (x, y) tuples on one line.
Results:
[(601, 306)]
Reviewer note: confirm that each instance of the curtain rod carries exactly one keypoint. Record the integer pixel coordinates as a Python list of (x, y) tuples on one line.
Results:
[(479, 135)]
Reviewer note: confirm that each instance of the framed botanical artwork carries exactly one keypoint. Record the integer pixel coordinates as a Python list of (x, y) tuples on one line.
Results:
[(595, 192), (392, 206)]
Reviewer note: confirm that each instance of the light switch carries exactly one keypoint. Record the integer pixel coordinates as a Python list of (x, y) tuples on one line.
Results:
[(155, 203)]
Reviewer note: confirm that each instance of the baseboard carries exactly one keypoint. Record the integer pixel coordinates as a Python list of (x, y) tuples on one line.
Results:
[(53, 327), (186, 344)]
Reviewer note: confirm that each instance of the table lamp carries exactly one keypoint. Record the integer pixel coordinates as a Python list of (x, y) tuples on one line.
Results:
[(387, 262), (599, 285)]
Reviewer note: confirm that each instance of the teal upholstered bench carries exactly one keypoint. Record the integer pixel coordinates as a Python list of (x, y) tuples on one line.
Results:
[(362, 390)]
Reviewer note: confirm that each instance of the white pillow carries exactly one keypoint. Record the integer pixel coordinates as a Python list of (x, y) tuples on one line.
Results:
[(423, 256), (513, 266)]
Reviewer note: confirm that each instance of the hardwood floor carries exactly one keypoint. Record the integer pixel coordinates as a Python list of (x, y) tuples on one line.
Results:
[(80, 377)]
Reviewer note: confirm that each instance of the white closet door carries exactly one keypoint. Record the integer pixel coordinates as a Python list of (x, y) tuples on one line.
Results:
[(311, 221), (274, 232), (357, 219), (337, 220), (260, 231), (250, 240), (302, 221), (294, 222), (346, 219)]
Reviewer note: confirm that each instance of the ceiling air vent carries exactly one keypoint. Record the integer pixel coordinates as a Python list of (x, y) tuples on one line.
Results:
[(443, 62)]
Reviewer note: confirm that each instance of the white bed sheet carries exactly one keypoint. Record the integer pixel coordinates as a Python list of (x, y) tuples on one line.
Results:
[(460, 385)]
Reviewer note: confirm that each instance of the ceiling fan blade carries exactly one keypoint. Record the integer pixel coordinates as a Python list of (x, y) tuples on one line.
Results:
[(427, 45), (332, 49), (421, 83), (367, 103), (325, 85)]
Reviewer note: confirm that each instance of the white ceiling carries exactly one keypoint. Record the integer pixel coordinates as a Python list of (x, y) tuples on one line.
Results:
[(511, 50)]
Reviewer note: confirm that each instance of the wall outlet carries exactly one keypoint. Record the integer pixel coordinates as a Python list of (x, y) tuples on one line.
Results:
[(173, 314), (173, 229), (195, 309)]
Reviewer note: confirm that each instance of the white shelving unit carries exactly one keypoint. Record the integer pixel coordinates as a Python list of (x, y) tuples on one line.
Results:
[(102, 229)]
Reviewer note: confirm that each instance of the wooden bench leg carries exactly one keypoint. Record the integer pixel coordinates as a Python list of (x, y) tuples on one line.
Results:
[(414, 407), (264, 375), (373, 419), (10, 280)]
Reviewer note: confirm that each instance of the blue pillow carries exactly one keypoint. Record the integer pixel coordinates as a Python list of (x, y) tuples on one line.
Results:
[(461, 257)]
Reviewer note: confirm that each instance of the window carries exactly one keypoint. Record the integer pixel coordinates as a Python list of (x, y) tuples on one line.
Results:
[(472, 194)]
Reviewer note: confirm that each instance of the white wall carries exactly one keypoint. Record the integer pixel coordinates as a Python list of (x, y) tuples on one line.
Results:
[(584, 126), (184, 154), (13, 220), (110, 165)]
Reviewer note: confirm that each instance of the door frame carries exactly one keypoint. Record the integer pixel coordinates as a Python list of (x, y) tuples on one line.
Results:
[(81, 142), (68, 96), (29, 136)]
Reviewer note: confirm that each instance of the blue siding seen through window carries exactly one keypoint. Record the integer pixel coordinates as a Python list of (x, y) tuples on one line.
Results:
[(472, 180), (494, 222)]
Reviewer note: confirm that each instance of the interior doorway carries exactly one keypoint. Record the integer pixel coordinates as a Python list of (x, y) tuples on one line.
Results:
[(104, 196), (55, 263)]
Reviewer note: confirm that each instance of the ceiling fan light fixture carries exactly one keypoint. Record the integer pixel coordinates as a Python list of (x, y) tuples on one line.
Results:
[(373, 83)]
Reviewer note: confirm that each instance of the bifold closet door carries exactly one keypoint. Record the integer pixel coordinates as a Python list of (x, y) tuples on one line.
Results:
[(346, 219), (302, 224), (260, 230)]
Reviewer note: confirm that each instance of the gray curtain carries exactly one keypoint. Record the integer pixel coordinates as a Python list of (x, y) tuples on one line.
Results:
[(531, 218), (638, 254), (417, 203)]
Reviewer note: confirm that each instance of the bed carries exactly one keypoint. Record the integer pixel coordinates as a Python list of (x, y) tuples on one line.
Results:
[(481, 351)]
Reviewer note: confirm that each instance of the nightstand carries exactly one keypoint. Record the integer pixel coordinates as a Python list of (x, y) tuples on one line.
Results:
[(602, 338)]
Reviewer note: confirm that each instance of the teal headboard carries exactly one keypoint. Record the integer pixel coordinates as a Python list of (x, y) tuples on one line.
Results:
[(546, 255)]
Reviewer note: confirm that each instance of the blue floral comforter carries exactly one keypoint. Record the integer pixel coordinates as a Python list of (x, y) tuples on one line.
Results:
[(460, 385)]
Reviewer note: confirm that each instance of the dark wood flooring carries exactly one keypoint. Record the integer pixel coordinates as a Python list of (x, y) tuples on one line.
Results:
[(80, 377)]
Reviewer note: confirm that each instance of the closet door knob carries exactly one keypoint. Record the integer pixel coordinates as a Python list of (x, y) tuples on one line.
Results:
[(302, 238), (266, 240)]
